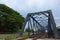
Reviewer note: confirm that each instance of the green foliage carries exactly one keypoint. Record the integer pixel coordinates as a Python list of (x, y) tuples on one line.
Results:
[(29, 30), (25, 35), (10, 20)]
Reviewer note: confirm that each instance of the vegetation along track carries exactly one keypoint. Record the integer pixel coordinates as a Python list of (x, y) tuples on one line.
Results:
[(36, 36)]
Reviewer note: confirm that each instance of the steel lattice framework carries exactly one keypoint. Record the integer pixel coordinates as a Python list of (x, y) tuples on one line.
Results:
[(40, 22)]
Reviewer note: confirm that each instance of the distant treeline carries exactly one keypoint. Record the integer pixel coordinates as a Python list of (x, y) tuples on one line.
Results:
[(10, 20)]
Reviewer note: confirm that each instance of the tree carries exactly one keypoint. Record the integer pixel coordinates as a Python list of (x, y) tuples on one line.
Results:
[(10, 20)]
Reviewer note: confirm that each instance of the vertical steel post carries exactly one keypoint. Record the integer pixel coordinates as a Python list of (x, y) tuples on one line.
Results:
[(53, 25), (23, 27), (28, 28)]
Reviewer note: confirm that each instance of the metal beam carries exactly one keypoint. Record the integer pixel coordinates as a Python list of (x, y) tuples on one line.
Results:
[(23, 27), (53, 25), (38, 24)]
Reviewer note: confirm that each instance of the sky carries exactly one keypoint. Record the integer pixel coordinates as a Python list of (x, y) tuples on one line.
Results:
[(30, 6)]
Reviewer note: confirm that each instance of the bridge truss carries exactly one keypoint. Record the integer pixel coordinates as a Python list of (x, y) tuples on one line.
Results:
[(40, 22)]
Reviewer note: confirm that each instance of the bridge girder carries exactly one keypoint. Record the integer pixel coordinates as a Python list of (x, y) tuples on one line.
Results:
[(51, 27)]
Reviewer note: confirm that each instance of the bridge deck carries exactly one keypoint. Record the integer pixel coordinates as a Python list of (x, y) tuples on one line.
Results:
[(40, 36)]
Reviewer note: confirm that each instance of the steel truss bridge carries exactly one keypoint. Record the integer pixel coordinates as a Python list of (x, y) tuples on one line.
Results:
[(40, 22)]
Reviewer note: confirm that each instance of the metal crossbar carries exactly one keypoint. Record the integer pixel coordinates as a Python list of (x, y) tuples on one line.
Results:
[(36, 20)]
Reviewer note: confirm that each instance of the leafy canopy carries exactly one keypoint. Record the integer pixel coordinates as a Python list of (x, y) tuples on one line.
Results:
[(10, 20)]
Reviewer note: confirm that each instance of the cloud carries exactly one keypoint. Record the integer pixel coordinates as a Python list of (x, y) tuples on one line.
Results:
[(32, 5), (28, 6), (11, 3)]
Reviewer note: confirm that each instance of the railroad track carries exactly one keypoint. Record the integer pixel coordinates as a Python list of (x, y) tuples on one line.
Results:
[(36, 36), (39, 36)]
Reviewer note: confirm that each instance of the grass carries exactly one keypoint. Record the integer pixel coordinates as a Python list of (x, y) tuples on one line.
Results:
[(12, 36), (8, 36), (25, 35)]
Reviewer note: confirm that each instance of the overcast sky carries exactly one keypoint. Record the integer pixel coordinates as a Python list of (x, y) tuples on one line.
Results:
[(28, 6)]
